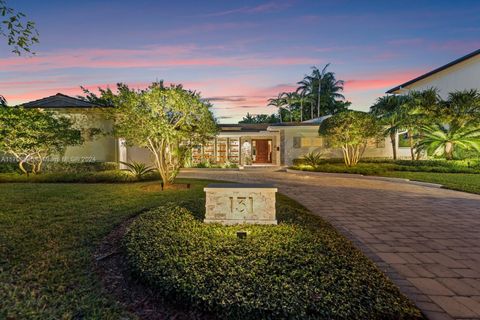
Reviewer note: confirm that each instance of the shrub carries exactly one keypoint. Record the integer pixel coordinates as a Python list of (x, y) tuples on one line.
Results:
[(64, 167), (137, 169), (313, 159), (300, 269), (112, 176)]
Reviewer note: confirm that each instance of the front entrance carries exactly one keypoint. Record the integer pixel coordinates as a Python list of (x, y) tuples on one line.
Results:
[(262, 150)]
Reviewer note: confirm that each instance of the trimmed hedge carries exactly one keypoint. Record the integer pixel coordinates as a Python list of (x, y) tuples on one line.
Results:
[(300, 269), (63, 167), (378, 167), (111, 176)]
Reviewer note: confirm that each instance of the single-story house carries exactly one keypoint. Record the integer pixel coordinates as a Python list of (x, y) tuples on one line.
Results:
[(242, 144)]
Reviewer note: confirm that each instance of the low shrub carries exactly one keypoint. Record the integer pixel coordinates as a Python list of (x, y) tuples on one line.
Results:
[(64, 167), (111, 176), (300, 269)]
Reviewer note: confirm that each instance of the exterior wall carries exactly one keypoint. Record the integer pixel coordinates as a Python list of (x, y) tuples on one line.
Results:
[(291, 151), (100, 148), (464, 75)]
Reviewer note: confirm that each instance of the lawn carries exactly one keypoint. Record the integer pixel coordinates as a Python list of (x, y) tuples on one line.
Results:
[(456, 181), (457, 175), (48, 233)]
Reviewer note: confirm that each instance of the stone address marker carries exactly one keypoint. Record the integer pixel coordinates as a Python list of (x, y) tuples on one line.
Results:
[(235, 203)]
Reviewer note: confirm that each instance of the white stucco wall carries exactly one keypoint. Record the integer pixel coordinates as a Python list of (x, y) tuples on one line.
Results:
[(464, 75), (290, 152)]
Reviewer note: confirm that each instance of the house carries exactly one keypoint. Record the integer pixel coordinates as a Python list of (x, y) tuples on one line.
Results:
[(460, 74), (242, 144)]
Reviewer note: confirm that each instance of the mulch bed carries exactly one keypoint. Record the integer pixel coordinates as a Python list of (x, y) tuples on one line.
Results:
[(111, 265)]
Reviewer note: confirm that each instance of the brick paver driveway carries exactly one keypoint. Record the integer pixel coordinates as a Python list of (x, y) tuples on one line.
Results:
[(427, 240)]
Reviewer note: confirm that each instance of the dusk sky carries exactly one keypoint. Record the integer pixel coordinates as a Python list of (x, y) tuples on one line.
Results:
[(238, 53)]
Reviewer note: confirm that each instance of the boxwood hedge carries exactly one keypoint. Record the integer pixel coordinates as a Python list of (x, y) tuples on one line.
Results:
[(301, 269)]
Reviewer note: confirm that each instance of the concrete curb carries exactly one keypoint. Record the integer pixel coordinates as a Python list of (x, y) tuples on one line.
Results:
[(361, 176)]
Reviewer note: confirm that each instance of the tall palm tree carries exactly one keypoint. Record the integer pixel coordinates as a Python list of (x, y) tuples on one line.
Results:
[(290, 99), (388, 110), (278, 102), (442, 140), (3, 101), (324, 89)]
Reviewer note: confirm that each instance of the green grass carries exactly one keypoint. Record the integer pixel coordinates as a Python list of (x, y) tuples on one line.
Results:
[(453, 175), (456, 181), (48, 233)]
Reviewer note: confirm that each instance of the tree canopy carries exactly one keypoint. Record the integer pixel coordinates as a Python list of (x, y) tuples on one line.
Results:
[(260, 118), (31, 135), (21, 34), (165, 120), (350, 130)]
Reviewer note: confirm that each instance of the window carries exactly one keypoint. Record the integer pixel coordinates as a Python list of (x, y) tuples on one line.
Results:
[(307, 142), (297, 142), (311, 142)]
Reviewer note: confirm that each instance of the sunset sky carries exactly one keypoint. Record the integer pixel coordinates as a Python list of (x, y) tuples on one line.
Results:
[(238, 53)]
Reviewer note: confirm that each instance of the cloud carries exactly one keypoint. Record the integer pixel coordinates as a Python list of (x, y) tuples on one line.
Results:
[(381, 80), (148, 57), (262, 8), (227, 98)]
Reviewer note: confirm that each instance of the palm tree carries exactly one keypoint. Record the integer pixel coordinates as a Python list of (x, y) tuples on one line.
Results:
[(278, 102), (302, 99), (3, 101), (290, 99), (418, 111), (442, 140), (461, 107), (388, 110), (324, 89)]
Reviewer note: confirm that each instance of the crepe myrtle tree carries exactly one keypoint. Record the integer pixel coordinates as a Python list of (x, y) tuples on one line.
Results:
[(166, 120), (31, 135), (351, 130)]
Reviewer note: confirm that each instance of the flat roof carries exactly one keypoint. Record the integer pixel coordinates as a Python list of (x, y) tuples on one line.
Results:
[(428, 74)]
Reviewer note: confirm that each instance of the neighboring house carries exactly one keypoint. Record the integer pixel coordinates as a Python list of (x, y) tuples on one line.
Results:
[(460, 74), (243, 144)]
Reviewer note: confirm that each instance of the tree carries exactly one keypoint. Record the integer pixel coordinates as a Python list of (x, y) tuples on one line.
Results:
[(31, 135), (418, 111), (278, 102), (443, 140), (260, 118), (20, 34), (456, 125), (324, 91), (350, 131), (388, 111), (165, 120)]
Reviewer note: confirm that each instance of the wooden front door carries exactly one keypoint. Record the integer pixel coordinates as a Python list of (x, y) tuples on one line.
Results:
[(262, 152)]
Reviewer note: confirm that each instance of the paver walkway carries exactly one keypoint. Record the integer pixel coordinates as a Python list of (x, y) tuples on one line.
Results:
[(427, 240)]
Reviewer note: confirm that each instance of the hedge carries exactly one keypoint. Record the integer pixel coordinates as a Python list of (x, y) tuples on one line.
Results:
[(110, 176), (301, 269), (64, 167)]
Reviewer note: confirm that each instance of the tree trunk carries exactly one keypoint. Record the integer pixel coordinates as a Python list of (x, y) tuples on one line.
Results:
[(22, 168), (449, 150), (301, 110), (311, 109), (393, 139), (410, 140)]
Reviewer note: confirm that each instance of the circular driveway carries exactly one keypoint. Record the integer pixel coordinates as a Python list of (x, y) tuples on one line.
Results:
[(426, 239)]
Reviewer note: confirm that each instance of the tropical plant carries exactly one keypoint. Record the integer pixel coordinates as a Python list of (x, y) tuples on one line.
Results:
[(260, 118), (418, 110), (313, 159), (388, 110), (3, 101), (324, 91), (31, 135), (278, 102), (164, 120), (444, 140), (138, 169), (350, 131)]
